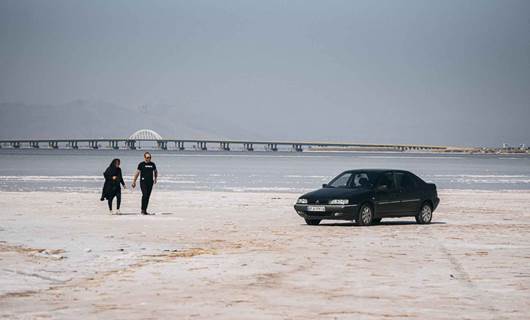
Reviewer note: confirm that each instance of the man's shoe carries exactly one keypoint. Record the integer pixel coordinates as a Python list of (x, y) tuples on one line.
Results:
[(144, 212), (111, 213), (117, 211)]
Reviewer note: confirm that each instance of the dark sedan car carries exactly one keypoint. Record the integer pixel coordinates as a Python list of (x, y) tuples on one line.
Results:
[(367, 196)]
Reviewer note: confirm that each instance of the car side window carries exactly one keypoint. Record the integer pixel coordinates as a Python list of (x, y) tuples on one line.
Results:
[(387, 179), (406, 181), (410, 182), (360, 180), (341, 181)]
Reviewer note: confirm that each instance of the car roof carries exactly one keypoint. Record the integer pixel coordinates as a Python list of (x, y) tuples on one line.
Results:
[(375, 170)]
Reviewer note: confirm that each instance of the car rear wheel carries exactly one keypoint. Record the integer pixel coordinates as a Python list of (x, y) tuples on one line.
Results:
[(365, 216), (312, 222), (424, 216)]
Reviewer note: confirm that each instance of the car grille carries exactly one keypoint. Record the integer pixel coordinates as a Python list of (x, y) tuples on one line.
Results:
[(318, 202)]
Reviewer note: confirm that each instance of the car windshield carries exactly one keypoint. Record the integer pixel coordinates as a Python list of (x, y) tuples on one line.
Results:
[(354, 179)]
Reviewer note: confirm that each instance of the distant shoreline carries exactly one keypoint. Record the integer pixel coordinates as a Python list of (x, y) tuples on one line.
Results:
[(313, 150), (473, 151)]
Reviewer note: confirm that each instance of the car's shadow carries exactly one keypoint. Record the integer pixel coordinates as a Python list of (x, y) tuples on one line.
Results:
[(139, 214), (381, 224)]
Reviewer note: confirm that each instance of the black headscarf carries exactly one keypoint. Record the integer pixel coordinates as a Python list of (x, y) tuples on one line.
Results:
[(113, 163)]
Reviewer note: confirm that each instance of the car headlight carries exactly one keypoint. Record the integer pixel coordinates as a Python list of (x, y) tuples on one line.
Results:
[(301, 201), (339, 201)]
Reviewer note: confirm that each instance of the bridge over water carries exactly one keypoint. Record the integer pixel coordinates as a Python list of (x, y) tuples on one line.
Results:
[(203, 145), (149, 139)]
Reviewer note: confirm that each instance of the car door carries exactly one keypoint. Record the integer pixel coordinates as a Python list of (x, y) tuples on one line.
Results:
[(408, 192), (386, 196)]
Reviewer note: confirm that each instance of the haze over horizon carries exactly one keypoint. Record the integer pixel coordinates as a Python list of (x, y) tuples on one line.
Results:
[(449, 73)]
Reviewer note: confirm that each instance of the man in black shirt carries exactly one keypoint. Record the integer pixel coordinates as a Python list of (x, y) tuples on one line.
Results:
[(148, 175)]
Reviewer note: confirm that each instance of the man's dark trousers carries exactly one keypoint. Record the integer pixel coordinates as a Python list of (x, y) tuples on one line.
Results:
[(146, 193)]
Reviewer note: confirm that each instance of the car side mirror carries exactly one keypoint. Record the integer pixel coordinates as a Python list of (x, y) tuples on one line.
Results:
[(383, 187), (325, 185)]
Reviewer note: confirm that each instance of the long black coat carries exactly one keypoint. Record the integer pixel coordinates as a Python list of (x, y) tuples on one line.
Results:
[(111, 186)]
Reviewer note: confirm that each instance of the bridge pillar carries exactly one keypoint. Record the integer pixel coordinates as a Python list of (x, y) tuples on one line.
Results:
[(298, 147), (131, 144), (201, 146), (180, 145), (272, 147), (93, 144), (34, 144), (248, 146), (115, 145), (73, 144), (15, 144), (53, 144), (225, 146), (162, 144)]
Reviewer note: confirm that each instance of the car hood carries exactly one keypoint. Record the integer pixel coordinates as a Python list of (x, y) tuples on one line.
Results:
[(326, 194)]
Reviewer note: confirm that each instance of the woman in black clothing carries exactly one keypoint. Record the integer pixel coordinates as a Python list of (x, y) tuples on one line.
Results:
[(112, 186)]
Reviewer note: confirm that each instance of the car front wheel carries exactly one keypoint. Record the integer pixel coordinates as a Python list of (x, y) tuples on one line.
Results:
[(312, 222), (424, 216), (365, 216)]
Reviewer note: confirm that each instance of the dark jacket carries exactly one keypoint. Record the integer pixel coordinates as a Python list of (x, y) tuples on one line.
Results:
[(112, 186)]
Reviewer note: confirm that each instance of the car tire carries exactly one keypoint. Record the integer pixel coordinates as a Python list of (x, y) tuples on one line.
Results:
[(424, 215), (312, 222), (365, 215), (376, 220)]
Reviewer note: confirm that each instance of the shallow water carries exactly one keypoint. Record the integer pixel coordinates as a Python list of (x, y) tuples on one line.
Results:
[(81, 170)]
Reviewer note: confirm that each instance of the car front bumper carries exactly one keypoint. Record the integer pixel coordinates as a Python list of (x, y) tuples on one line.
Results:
[(335, 212)]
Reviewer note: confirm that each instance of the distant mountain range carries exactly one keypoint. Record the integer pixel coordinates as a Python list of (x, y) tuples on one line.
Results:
[(85, 119), (97, 119)]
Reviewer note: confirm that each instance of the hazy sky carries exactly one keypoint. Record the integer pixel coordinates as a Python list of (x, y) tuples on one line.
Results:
[(453, 72)]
